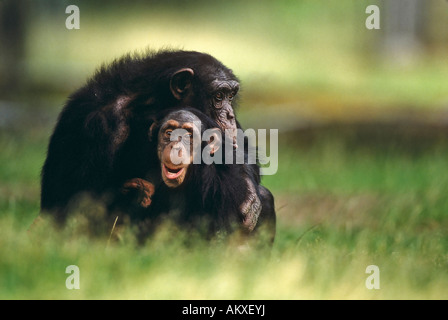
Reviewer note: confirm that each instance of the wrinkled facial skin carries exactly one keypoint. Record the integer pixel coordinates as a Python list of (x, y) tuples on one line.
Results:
[(224, 91), (175, 156)]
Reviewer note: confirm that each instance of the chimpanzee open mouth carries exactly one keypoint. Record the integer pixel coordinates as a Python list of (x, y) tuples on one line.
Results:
[(172, 173), (173, 170)]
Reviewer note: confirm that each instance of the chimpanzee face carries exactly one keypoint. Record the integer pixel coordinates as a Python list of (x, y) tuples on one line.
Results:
[(224, 91), (175, 156), (220, 90), (179, 139)]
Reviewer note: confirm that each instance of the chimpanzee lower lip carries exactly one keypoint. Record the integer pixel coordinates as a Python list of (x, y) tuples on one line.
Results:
[(172, 173)]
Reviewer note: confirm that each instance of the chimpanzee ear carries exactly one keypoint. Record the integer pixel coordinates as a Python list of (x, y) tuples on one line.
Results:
[(214, 140), (180, 82), (152, 130)]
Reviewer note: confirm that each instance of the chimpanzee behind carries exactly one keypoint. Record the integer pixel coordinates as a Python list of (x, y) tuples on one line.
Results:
[(201, 192), (100, 140)]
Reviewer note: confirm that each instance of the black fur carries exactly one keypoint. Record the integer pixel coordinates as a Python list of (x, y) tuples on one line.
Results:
[(100, 139), (211, 196)]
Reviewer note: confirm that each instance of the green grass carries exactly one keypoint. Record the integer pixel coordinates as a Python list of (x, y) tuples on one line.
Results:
[(341, 206), (339, 210), (336, 167)]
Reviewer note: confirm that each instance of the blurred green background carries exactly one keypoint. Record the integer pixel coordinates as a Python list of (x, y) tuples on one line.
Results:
[(362, 118)]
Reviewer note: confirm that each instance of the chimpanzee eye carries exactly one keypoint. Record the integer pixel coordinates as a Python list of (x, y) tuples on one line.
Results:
[(188, 138), (219, 96), (168, 133), (231, 96)]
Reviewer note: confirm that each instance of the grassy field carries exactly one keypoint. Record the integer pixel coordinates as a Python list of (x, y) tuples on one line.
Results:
[(345, 200), (340, 209)]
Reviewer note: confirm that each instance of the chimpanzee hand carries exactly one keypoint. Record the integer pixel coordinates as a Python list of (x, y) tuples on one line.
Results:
[(251, 207), (140, 190)]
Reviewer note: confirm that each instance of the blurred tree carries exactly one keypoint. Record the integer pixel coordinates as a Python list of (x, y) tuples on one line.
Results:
[(436, 26), (12, 45), (403, 27)]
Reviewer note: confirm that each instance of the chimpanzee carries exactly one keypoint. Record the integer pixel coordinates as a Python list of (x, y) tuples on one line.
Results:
[(100, 140), (196, 187)]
